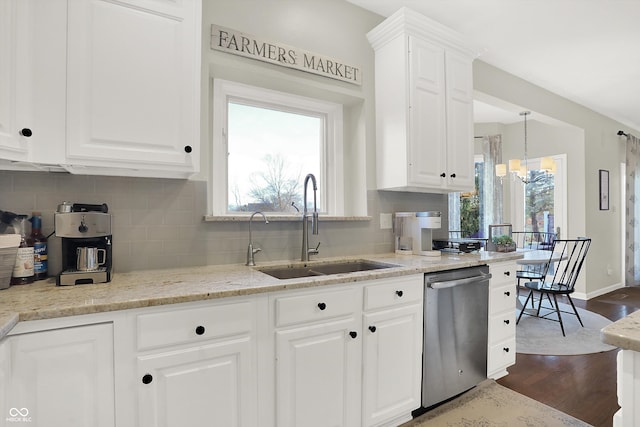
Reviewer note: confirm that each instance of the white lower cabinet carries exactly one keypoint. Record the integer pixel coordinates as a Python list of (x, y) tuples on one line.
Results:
[(202, 366), (318, 375), (392, 372), (344, 355), (349, 356), (60, 377), (502, 322)]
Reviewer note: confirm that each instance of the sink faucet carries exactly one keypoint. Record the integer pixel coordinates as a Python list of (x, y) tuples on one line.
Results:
[(250, 250), (306, 250)]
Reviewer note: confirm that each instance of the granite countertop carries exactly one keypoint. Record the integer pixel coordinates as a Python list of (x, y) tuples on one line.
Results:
[(625, 333), (45, 300)]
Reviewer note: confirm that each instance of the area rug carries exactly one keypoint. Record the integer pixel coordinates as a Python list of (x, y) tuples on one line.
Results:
[(540, 336), (492, 405)]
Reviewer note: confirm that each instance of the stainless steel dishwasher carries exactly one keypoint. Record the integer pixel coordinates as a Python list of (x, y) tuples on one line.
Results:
[(455, 332)]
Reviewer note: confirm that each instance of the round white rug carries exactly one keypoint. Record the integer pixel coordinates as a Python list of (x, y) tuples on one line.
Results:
[(540, 336)]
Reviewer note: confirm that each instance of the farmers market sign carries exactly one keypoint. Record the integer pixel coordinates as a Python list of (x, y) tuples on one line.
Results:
[(237, 43)]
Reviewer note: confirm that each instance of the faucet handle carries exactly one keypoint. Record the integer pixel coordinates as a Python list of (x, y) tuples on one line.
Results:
[(256, 250)]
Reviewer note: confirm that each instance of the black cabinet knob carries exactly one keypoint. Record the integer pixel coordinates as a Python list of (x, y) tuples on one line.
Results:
[(443, 175), (453, 175), (507, 273), (507, 293), (399, 293), (188, 149), (353, 334), (26, 132), (506, 322), (199, 330), (372, 328), (146, 379), (506, 349), (322, 306)]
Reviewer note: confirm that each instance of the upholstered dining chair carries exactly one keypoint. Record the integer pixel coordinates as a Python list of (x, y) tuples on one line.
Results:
[(567, 259)]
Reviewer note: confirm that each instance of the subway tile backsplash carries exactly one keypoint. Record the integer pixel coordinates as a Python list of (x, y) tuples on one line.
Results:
[(158, 223)]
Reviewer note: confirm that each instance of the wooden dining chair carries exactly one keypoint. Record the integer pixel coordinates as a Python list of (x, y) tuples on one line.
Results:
[(567, 259)]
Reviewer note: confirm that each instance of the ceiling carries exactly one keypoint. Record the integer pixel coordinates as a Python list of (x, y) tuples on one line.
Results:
[(583, 50)]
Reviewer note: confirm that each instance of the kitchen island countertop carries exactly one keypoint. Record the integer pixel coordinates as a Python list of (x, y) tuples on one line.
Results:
[(625, 333), (45, 300)]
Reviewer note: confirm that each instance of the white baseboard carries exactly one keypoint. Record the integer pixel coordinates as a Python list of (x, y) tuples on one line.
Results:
[(602, 291)]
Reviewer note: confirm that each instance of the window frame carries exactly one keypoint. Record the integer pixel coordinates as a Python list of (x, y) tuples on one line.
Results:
[(331, 161)]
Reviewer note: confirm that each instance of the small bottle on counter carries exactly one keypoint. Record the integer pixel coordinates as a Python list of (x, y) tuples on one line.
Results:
[(39, 243), (23, 268)]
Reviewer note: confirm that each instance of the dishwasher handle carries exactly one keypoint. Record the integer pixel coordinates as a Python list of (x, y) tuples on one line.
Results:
[(459, 282)]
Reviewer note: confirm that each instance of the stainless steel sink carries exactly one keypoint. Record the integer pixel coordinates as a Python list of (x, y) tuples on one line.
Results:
[(322, 269)]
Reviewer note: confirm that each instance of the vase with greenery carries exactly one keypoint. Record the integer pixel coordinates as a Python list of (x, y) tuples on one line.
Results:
[(504, 243)]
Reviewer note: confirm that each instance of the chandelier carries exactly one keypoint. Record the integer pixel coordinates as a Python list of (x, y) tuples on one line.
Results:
[(518, 168)]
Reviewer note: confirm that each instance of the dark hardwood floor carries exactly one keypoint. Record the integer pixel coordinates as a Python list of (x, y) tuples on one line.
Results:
[(583, 386)]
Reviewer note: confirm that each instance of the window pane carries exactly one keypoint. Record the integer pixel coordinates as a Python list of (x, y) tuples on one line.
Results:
[(269, 154), (539, 202)]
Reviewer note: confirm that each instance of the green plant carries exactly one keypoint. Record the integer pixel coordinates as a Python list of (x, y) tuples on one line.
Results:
[(502, 240)]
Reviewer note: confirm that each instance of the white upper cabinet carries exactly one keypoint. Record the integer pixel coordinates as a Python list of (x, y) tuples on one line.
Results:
[(424, 106), (125, 94), (32, 81)]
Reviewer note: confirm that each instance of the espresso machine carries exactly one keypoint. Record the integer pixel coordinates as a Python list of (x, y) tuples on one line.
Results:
[(85, 231)]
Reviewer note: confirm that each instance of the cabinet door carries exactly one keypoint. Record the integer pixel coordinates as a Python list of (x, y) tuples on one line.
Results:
[(459, 82), (392, 358), (134, 87), (32, 100), (14, 82), (212, 384), (427, 140), (62, 377), (318, 375)]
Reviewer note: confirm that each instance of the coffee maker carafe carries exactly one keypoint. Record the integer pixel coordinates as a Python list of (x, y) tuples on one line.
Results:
[(85, 231)]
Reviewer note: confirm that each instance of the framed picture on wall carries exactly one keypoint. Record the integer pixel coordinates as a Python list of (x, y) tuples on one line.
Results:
[(604, 190)]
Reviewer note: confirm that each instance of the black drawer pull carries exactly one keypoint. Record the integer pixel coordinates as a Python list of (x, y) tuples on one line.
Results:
[(507, 273), (187, 149), (507, 293), (147, 379), (26, 132), (506, 322), (353, 334), (506, 349), (322, 306), (199, 330), (372, 329), (399, 293)]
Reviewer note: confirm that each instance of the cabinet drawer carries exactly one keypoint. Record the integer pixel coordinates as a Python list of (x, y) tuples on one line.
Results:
[(503, 273), (502, 298), (502, 354), (392, 292), (189, 325), (310, 307), (502, 326)]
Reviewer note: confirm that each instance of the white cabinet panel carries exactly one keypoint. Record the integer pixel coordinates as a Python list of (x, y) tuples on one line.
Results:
[(104, 87), (188, 387), (392, 364), (133, 88), (318, 375), (502, 324), (63, 377), (424, 106)]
